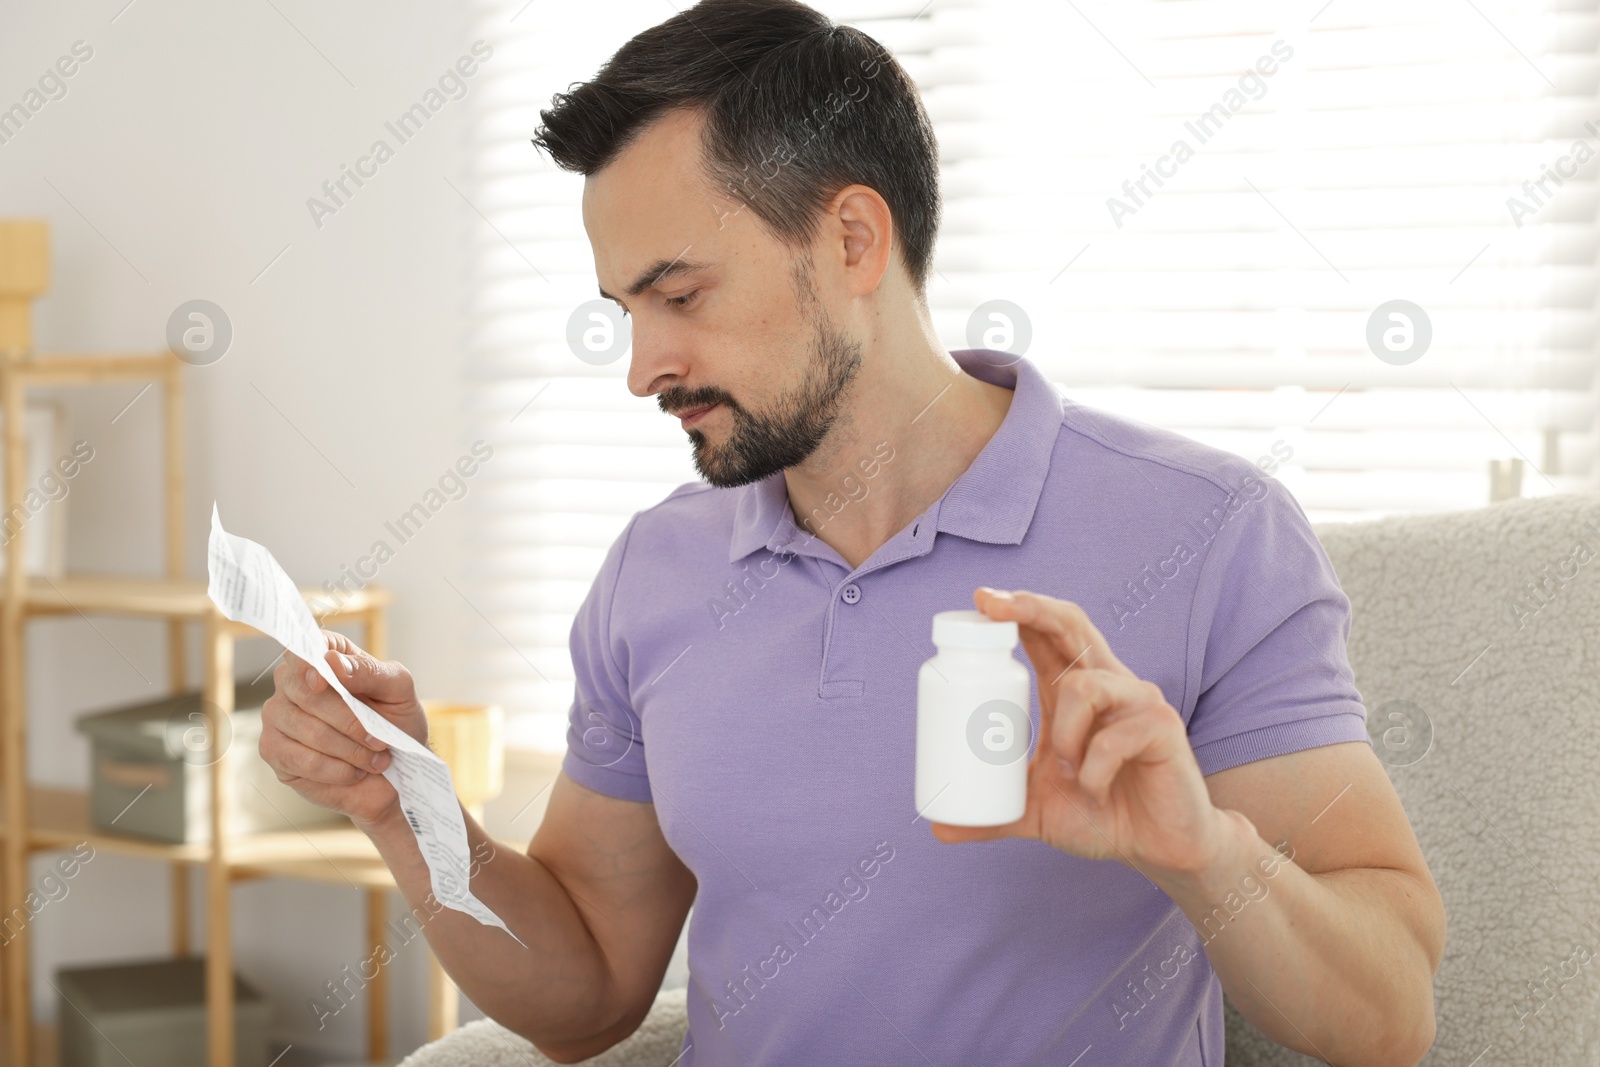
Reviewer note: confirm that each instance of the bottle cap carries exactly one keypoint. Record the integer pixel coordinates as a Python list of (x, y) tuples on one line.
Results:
[(972, 629)]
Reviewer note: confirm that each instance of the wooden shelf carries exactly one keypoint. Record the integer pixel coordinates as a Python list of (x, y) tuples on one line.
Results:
[(36, 818), (163, 598), (75, 369), (336, 853)]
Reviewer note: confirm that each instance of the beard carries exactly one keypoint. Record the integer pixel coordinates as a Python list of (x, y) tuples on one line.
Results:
[(762, 443)]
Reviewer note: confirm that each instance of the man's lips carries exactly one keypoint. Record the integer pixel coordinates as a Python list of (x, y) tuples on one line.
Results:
[(694, 416)]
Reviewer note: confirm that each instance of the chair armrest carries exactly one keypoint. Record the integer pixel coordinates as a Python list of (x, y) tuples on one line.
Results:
[(488, 1044)]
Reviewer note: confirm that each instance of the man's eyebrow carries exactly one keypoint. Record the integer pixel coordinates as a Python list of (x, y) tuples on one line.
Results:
[(659, 271)]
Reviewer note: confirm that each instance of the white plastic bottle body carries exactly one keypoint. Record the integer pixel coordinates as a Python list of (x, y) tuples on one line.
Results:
[(972, 752)]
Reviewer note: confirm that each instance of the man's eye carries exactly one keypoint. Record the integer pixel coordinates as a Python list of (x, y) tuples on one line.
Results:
[(683, 301)]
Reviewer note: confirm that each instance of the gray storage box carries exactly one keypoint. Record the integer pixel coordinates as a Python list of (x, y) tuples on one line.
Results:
[(152, 1013), (151, 774)]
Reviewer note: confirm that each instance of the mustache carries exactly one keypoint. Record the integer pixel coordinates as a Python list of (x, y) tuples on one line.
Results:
[(672, 402)]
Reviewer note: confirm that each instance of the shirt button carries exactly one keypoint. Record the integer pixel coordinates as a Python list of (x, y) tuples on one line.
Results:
[(850, 593)]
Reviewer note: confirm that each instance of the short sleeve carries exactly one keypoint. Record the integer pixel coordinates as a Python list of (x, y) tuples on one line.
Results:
[(605, 745), (1267, 637)]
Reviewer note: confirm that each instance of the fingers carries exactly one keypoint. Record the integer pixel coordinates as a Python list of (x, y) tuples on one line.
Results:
[(307, 690), (367, 676), (301, 726), (1059, 640), (951, 834), (1085, 700), (1056, 634), (290, 759), (1114, 746)]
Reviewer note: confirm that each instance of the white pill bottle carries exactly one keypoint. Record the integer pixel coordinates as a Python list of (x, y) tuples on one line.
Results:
[(972, 723)]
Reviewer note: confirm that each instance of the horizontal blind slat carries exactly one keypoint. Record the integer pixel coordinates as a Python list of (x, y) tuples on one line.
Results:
[(1380, 160)]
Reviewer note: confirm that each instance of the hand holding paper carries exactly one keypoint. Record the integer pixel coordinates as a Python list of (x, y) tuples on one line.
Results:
[(249, 586)]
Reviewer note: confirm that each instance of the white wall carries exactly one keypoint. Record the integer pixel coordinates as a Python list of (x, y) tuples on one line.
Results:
[(187, 147)]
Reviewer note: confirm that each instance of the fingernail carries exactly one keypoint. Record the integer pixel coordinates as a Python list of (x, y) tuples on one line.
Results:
[(374, 743), (311, 676), (360, 774), (380, 761), (1065, 766), (348, 663), (1000, 594)]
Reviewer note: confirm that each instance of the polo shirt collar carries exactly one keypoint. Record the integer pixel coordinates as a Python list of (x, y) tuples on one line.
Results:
[(994, 499)]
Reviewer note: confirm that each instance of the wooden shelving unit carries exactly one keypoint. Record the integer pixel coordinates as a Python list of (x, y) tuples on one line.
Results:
[(37, 819)]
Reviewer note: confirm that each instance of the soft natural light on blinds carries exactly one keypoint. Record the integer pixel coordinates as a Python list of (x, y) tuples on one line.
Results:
[(1228, 301)]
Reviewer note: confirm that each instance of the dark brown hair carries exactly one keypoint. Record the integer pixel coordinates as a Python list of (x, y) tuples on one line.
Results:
[(796, 109)]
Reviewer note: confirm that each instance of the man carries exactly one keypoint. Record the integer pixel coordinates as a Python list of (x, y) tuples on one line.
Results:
[(1205, 813)]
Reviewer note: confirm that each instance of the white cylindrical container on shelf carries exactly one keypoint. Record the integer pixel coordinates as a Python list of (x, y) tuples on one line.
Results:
[(973, 727)]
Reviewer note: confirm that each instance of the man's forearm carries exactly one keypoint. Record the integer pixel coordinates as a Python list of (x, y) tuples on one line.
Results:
[(553, 991), (1334, 965)]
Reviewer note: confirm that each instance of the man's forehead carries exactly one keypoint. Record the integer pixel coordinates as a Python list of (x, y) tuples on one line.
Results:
[(641, 248), (652, 206)]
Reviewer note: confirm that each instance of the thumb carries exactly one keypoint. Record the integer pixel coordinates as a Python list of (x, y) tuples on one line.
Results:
[(364, 674)]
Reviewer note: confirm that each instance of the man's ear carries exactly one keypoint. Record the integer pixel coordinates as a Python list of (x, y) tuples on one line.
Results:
[(866, 232)]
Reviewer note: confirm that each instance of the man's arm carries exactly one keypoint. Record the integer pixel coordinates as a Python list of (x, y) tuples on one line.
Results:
[(1345, 940), (1335, 958), (599, 898)]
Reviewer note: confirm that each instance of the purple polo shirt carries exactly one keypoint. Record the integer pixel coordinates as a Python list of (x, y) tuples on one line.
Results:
[(761, 692)]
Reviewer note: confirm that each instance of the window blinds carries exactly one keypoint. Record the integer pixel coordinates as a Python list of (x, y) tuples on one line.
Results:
[(1196, 213)]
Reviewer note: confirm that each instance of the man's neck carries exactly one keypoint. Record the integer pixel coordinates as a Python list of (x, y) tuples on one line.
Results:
[(931, 419)]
